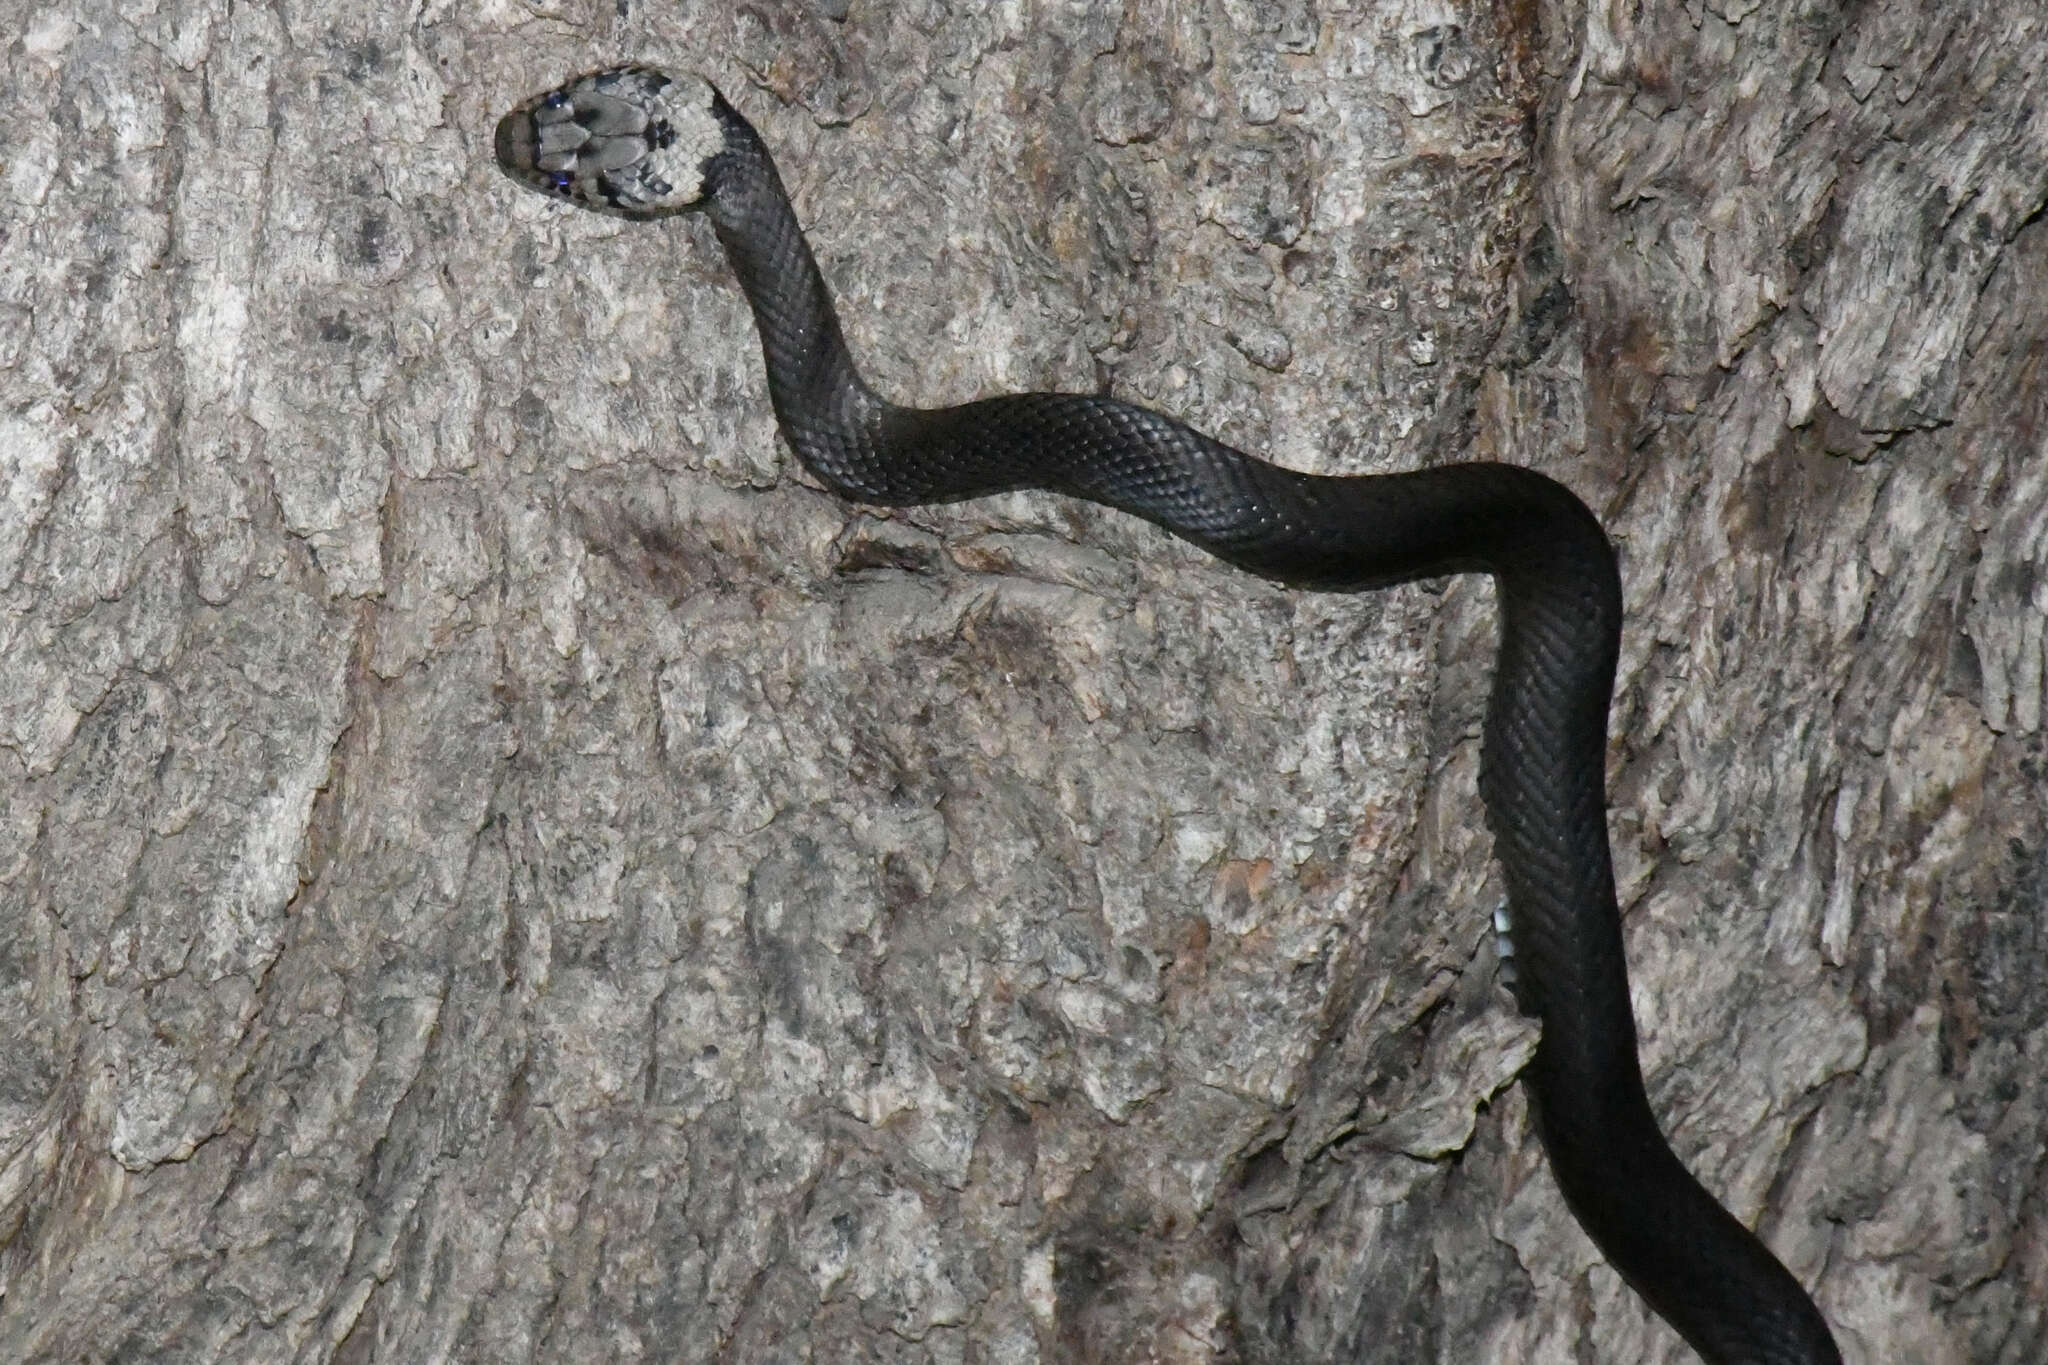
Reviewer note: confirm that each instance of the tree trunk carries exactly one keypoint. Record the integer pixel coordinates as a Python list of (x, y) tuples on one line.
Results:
[(497, 868)]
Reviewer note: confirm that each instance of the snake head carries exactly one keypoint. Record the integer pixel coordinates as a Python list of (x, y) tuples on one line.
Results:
[(628, 140)]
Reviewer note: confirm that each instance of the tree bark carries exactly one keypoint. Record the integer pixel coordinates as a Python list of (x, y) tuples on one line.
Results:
[(495, 867)]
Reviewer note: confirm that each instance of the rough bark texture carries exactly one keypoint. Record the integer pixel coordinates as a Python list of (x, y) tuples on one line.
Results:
[(494, 868)]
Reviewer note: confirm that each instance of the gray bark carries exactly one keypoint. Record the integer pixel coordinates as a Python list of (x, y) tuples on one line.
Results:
[(495, 867)]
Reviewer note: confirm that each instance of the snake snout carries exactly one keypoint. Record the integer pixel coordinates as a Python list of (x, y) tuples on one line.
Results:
[(515, 144)]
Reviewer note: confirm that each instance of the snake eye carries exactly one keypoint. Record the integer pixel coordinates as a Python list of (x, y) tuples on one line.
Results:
[(555, 100), (561, 181)]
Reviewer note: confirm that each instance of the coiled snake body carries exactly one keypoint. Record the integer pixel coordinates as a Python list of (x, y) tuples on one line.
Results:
[(641, 143)]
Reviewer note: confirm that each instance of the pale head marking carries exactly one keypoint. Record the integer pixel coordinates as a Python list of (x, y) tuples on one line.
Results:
[(626, 140)]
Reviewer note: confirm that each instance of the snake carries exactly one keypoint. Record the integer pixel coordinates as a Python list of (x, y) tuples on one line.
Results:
[(638, 142)]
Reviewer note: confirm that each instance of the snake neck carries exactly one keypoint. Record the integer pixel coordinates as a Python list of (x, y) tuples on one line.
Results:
[(827, 412)]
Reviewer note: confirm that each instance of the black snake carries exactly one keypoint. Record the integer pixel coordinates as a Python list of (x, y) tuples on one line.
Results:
[(640, 143)]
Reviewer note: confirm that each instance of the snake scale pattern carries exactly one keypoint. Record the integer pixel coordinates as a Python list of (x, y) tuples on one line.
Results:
[(637, 142)]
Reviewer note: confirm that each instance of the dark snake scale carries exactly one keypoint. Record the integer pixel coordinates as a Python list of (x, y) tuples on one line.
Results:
[(640, 143)]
